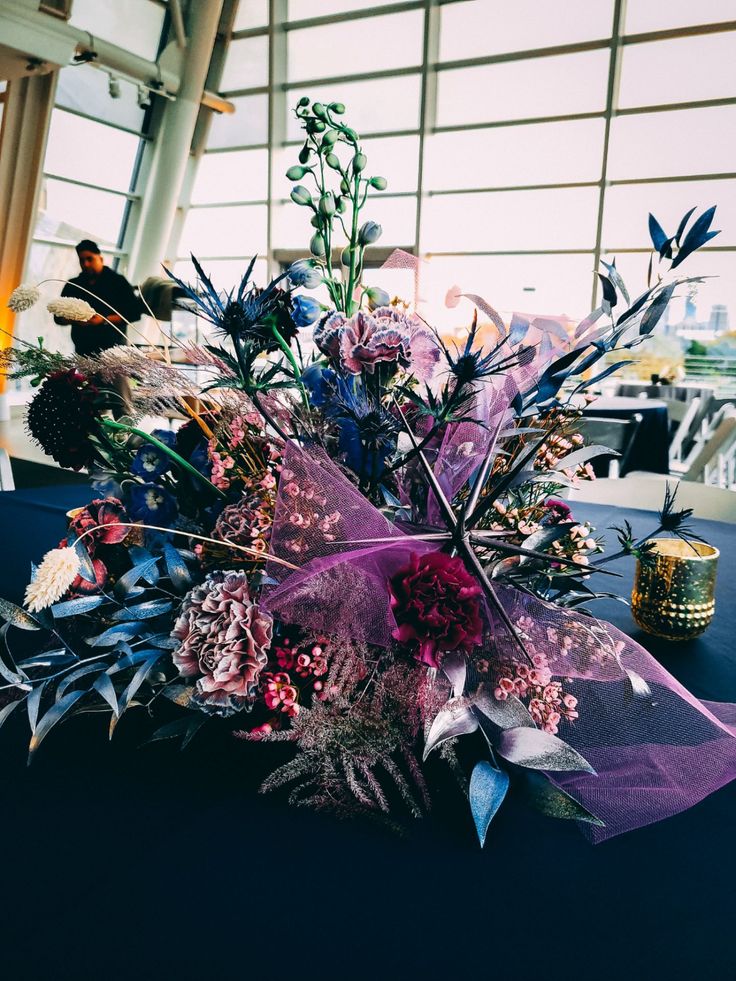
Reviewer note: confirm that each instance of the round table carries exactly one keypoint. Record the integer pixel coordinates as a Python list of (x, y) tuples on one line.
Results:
[(650, 450), (125, 860)]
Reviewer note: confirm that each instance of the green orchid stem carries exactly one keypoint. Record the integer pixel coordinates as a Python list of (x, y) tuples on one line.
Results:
[(121, 427), (292, 361)]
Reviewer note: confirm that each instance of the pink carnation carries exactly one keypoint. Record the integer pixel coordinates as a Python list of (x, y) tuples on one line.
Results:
[(224, 638)]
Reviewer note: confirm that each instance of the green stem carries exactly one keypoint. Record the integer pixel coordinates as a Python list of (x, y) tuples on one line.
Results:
[(349, 304), (172, 454), (292, 361)]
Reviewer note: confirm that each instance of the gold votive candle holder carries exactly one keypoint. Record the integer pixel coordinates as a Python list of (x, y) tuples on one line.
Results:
[(674, 589)]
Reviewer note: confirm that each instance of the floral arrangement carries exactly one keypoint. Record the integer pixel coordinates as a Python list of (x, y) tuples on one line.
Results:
[(361, 552)]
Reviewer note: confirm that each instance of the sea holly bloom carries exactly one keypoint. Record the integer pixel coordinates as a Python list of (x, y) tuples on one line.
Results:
[(436, 603), (224, 639)]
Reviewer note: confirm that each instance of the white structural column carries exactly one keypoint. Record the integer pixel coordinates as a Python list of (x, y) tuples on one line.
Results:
[(26, 117), (172, 143)]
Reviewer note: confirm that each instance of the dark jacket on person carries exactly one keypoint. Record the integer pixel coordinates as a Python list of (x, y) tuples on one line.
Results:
[(112, 294)]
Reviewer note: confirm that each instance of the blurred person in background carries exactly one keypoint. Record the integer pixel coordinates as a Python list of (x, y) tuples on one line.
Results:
[(115, 303)]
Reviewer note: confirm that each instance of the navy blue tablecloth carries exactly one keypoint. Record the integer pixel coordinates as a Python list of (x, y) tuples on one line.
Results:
[(123, 861), (650, 450)]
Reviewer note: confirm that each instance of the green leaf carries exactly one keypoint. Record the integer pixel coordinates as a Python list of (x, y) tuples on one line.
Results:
[(545, 797), (18, 617)]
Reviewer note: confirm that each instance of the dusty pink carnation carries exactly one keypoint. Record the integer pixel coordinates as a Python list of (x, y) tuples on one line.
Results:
[(224, 638), (436, 604), (365, 340)]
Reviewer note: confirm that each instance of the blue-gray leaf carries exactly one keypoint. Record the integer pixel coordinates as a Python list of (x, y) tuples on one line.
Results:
[(449, 723), (488, 788)]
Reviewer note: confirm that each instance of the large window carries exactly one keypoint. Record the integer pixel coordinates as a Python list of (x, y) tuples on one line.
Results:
[(520, 145), (96, 137)]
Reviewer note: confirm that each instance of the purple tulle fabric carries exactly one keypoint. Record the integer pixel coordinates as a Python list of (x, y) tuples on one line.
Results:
[(654, 755)]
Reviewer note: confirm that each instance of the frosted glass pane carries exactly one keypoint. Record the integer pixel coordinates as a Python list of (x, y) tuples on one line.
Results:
[(553, 285), (370, 45), (235, 231), (88, 151), (511, 220), (246, 64), (224, 273), (719, 289), (301, 9), (669, 144), (484, 27), (653, 15), (237, 175), (675, 71), (47, 262), (382, 105), (247, 125), (544, 153), (627, 208), (251, 13), (525, 89), (134, 25), (86, 89), (71, 213)]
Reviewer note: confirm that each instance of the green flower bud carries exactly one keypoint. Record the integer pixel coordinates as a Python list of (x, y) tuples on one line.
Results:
[(344, 186), (296, 172), (359, 162), (315, 221), (316, 126), (317, 245), (330, 137), (300, 195), (380, 183), (345, 257), (304, 153), (327, 204), (304, 101), (333, 161), (338, 108), (318, 109), (377, 297), (342, 205)]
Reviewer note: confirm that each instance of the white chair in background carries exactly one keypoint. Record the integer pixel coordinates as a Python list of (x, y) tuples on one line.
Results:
[(6, 472), (646, 493)]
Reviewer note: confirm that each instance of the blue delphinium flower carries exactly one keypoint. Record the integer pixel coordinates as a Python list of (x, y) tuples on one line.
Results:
[(320, 383), (151, 503), (305, 311)]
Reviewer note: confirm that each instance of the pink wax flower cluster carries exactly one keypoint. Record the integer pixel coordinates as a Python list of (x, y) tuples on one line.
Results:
[(363, 341), (280, 694), (436, 604), (309, 520), (307, 659), (548, 704), (224, 641)]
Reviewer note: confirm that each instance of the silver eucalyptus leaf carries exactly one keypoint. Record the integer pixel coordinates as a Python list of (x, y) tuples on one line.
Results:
[(578, 457), (637, 686), (509, 714), (488, 786), (450, 721), (539, 750)]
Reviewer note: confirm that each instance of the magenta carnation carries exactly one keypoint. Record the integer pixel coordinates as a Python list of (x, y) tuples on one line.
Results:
[(436, 605), (225, 639)]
